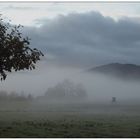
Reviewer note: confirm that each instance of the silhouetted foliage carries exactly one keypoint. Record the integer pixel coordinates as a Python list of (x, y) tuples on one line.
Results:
[(15, 53), (30, 97), (3, 95), (14, 96), (66, 90)]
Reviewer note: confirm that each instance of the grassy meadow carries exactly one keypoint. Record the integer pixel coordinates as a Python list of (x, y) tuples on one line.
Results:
[(31, 120)]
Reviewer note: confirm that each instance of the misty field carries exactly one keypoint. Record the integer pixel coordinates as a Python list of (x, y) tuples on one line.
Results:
[(26, 119)]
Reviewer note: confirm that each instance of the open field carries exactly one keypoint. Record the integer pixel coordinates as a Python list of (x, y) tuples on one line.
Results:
[(20, 119)]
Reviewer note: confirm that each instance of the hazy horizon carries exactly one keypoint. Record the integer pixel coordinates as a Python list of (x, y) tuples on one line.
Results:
[(75, 37)]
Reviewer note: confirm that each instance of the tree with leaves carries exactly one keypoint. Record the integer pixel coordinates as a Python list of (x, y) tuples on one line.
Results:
[(15, 53), (67, 90)]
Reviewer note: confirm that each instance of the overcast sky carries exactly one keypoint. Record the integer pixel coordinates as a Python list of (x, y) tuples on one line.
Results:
[(79, 35)]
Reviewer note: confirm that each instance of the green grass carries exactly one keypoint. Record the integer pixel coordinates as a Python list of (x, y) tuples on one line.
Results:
[(74, 127), (22, 123)]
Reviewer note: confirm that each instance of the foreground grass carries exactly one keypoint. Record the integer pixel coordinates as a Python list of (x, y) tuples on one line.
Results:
[(74, 128), (19, 120)]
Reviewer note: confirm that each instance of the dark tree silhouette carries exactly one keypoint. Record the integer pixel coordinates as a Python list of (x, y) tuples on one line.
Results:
[(66, 90), (15, 53)]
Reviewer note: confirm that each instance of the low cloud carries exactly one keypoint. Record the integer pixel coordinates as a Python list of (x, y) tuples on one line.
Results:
[(86, 39)]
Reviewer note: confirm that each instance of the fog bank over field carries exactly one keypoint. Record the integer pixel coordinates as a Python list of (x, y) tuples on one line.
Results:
[(103, 88), (100, 88), (38, 80)]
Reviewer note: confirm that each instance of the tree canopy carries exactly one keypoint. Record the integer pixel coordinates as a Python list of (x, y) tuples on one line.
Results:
[(66, 90), (15, 53)]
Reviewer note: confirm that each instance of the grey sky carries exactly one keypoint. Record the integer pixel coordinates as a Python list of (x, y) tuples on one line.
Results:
[(28, 13), (80, 34), (86, 39)]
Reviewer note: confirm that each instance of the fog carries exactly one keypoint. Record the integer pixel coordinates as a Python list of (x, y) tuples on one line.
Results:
[(100, 88)]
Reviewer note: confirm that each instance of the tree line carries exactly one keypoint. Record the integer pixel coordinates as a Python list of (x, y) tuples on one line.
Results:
[(65, 90), (14, 96)]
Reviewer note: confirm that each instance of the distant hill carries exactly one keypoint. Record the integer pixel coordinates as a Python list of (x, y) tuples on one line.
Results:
[(123, 71)]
